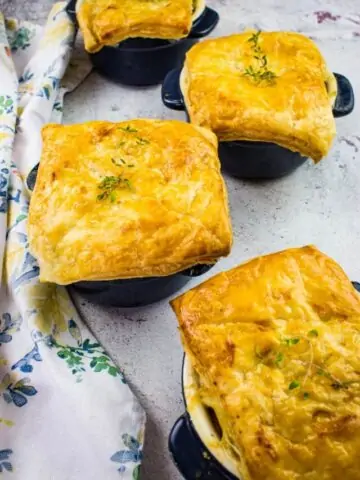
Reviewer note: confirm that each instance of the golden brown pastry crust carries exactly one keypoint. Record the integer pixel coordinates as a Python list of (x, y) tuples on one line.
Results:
[(294, 112), (108, 22), (276, 345), (174, 214)]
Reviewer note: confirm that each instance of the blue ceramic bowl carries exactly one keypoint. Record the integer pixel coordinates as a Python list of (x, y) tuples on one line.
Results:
[(145, 61), (136, 292), (257, 160), (192, 457)]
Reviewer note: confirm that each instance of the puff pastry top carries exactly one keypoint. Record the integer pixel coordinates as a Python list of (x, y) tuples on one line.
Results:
[(108, 22), (294, 111), (169, 213), (276, 345)]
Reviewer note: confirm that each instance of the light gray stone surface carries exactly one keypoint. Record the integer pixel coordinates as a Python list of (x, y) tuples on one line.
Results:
[(317, 204)]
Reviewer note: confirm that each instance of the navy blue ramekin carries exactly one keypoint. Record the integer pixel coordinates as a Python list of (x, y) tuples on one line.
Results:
[(137, 292), (257, 160), (145, 61), (190, 455), (134, 292)]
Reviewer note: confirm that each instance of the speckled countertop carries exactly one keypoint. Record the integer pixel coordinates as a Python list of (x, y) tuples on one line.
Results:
[(317, 204)]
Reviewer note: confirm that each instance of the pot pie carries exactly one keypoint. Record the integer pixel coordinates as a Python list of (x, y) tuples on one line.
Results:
[(141, 198), (262, 86), (275, 347), (108, 22)]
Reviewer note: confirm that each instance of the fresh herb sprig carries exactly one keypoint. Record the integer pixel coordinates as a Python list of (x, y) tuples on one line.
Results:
[(260, 72), (110, 184), (120, 162)]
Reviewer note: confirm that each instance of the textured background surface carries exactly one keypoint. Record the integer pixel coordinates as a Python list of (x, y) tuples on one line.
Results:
[(318, 204)]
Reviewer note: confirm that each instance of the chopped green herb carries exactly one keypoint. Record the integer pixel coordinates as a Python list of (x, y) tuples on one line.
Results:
[(129, 129), (110, 184), (313, 333), (279, 358), (119, 163), (294, 384), (122, 163), (260, 72), (291, 341), (306, 395), (141, 141)]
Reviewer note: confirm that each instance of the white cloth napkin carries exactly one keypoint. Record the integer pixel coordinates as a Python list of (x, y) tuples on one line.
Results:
[(66, 411)]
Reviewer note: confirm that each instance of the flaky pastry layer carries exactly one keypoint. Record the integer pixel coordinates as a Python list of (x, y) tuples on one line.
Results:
[(275, 343), (108, 22), (123, 200), (294, 110)]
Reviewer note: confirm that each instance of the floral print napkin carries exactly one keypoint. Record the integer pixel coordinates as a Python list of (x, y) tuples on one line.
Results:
[(66, 412)]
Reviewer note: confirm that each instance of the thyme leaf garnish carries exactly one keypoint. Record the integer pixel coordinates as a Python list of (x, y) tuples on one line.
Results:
[(128, 128), (121, 163), (279, 358), (260, 72), (142, 141), (313, 333), (110, 184), (294, 384), (291, 341)]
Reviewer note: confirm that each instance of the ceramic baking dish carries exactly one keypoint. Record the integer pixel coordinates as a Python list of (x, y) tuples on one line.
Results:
[(131, 292), (195, 438), (146, 61), (257, 160)]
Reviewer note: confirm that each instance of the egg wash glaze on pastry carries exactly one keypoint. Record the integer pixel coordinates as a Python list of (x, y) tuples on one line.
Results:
[(108, 22), (275, 347), (294, 110), (142, 198)]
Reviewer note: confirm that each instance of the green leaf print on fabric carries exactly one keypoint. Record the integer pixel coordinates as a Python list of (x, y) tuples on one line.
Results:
[(21, 38), (136, 473), (85, 354), (6, 104)]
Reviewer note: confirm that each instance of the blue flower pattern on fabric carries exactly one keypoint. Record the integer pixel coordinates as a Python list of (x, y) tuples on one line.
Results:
[(4, 172), (132, 455), (27, 268), (5, 464), (26, 76), (24, 363), (49, 333), (8, 325), (16, 393), (52, 83)]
